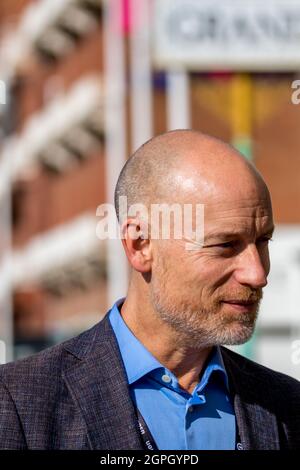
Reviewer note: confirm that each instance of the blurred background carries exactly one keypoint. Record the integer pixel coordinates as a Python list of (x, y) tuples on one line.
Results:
[(82, 84)]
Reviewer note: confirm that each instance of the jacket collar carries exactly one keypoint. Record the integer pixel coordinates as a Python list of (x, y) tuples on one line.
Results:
[(96, 378)]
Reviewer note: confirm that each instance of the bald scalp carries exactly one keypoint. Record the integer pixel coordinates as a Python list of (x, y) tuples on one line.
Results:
[(148, 175)]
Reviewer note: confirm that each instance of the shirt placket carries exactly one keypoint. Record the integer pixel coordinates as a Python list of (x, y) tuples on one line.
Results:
[(190, 410)]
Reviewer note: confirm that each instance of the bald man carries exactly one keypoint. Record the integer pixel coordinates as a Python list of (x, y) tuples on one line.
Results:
[(154, 373)]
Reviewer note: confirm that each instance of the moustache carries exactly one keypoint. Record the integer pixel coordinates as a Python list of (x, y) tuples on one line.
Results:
[(246, 296)]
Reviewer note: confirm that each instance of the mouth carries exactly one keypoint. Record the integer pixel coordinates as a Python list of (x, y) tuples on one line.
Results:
[(241, 305)]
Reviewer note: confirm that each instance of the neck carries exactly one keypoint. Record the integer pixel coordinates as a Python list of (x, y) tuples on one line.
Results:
[(163, 343)]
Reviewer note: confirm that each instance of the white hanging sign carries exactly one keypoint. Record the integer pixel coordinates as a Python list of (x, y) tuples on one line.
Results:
[(227, 34)]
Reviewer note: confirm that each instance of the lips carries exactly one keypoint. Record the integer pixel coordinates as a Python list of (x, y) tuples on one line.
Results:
[(241, 306)]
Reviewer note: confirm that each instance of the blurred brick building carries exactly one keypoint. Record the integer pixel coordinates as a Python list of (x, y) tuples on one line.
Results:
[(53, 132), (64, 183)]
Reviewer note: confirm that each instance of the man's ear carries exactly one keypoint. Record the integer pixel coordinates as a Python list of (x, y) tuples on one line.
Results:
[(137, 245)]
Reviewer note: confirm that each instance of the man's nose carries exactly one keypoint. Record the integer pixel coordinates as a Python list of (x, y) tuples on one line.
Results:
[(251, 270)]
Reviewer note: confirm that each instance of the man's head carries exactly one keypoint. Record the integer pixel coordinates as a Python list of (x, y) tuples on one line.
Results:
[(208, 295)]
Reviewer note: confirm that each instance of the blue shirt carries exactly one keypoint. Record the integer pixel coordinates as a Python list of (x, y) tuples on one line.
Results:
[(202, 420)]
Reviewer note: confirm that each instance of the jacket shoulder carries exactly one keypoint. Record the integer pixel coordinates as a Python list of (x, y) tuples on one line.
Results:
[(47, 364), (262, 374)]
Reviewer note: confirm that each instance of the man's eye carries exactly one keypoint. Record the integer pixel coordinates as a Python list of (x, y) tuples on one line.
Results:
[(226, 245), (233, 244), (265, 240), (222, 245)]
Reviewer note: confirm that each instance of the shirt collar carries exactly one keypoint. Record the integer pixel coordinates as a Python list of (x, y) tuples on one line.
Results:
[(131, 349), (215, 363), (138, 361)]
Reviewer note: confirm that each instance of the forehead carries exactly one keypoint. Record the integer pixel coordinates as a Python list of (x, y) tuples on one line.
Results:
[(244, 216)]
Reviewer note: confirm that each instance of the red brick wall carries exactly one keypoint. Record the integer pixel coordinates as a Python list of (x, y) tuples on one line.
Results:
[(49, 200), (86, 58), (10, 10)]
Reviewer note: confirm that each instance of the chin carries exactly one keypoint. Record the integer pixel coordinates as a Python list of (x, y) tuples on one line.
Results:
[(239, 336)]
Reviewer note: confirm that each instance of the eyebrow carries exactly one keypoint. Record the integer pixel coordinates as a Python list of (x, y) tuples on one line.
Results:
[(229, 235)]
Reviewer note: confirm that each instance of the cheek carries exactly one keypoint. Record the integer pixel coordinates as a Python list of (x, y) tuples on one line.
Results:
[(215, 281), (202, 278)]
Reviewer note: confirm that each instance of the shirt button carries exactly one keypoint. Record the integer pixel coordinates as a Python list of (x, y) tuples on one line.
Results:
[(166, 379), (191, 408)]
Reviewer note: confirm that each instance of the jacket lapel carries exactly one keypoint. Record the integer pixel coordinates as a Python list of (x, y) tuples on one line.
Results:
[(257, 424), (98, 384)]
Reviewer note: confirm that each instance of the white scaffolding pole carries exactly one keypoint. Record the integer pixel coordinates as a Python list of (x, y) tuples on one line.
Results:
[(141, 77), (115, 134), (178, 100), (6, 290)]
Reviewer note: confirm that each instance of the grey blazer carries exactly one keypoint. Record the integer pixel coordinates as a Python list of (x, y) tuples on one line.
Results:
[(75, 396)]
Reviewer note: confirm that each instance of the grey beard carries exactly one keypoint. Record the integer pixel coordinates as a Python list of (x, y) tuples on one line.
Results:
[(196, 329)]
